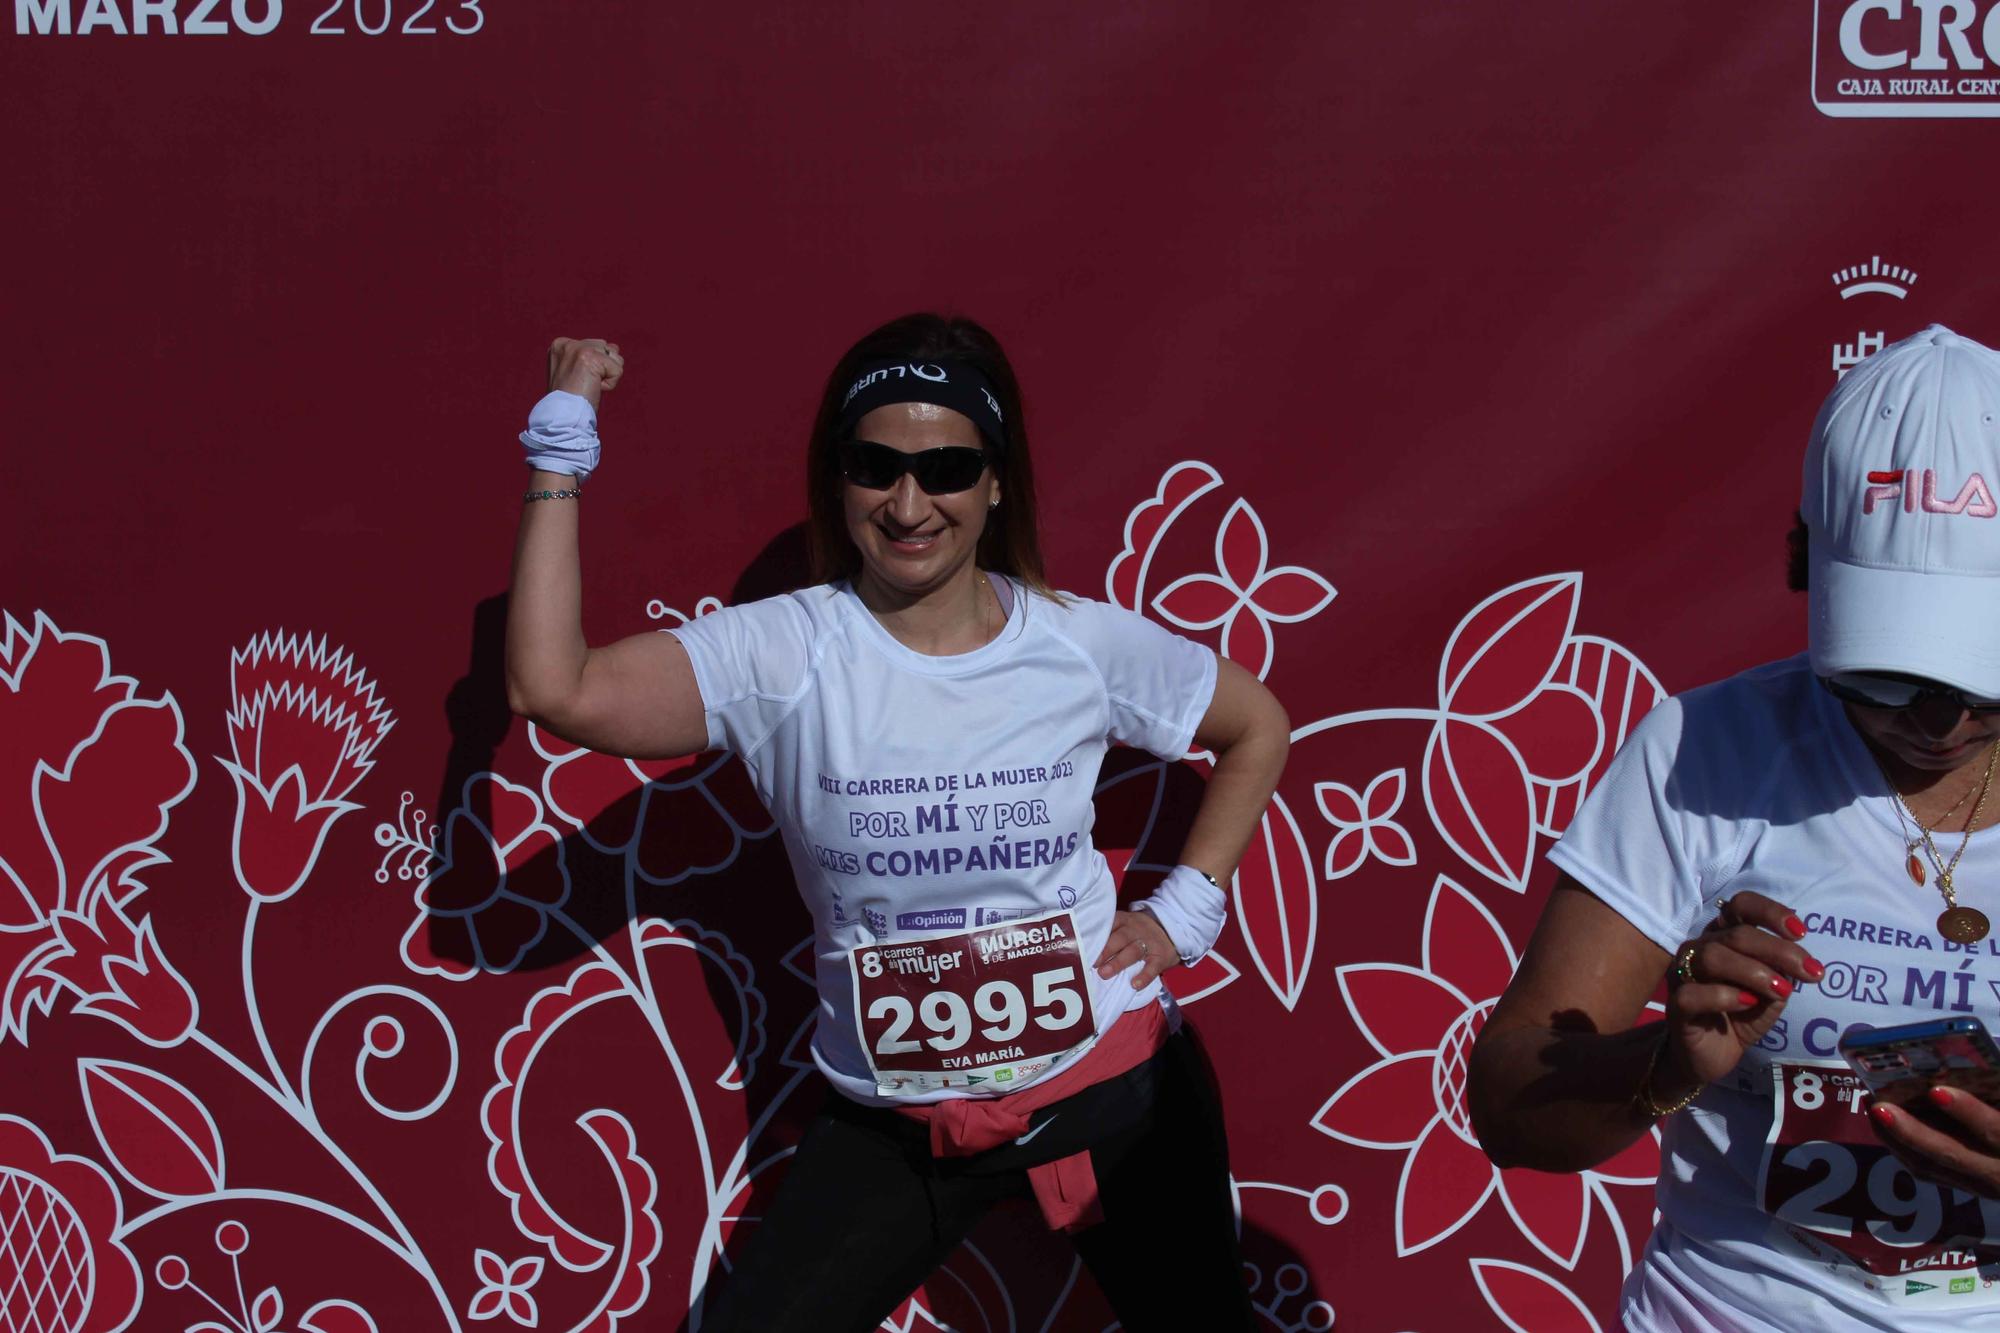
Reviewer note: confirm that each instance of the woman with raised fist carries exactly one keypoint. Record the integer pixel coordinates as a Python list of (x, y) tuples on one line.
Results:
[(926, 725), (1802, 851)]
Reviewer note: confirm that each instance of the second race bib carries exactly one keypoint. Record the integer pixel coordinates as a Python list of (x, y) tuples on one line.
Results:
[(981, 1008), (1846, 1200)]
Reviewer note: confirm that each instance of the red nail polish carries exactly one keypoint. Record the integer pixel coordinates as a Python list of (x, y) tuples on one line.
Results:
[(1941, 1096), (1796, 926), (1782, 986), (1747, 998), (1814, 969), (1881, 1114)]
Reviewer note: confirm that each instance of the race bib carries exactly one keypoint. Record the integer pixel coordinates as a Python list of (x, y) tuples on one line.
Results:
[(1848, 1203), (980, 1008)]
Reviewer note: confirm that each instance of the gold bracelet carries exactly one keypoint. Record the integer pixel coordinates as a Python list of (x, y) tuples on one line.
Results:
[(1643, 1098)]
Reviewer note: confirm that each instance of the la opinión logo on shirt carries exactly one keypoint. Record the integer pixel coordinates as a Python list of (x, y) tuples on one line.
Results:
[(942, 918)]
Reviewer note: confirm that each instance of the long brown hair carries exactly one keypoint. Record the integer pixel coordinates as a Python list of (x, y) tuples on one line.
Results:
[(1011, 543)]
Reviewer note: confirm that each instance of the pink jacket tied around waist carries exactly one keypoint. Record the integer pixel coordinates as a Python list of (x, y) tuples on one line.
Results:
[(1066, 1188)]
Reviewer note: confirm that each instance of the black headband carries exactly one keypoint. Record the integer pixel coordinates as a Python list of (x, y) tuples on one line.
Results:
[(951, 384)]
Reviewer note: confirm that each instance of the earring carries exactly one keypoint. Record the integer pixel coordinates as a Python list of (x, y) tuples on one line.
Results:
[(992, 504)]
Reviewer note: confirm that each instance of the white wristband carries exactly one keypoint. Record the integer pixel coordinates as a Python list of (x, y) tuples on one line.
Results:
[(562, 434), (1191, 908)]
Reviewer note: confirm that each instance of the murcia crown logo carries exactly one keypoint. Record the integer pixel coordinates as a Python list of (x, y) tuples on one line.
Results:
[(1874, 276)]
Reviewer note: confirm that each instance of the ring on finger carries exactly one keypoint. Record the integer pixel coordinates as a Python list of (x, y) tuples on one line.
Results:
[(1145, 947), (1683, 968)]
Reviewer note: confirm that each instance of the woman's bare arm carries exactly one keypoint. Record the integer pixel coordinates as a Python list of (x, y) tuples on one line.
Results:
[(1554, 1071), (1246, 729), (636, 697), (1556, 1076)]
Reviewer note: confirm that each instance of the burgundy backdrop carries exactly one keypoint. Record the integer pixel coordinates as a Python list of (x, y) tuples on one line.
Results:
[(337, 1000)]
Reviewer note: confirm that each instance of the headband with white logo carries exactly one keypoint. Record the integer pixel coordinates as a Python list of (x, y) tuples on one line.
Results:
[(951, 384)]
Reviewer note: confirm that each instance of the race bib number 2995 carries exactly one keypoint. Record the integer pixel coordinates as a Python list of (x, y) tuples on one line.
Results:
[(977, 1008)]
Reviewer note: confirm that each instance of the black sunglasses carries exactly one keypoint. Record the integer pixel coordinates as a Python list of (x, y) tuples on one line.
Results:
[(1876, 690), (877, 467)]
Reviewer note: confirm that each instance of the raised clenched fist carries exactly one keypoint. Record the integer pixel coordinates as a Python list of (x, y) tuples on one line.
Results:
[(589, 367)]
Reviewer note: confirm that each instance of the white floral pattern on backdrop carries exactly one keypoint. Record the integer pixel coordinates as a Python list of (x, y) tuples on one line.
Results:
[(607, 1074)]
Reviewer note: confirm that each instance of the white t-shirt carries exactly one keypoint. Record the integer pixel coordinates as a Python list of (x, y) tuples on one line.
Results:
[(1760, 782), (920, 796)]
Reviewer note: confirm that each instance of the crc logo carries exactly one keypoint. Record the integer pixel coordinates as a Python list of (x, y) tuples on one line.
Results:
[(1906, 58)]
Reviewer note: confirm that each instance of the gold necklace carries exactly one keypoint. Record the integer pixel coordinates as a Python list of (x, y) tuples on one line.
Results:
[(1911, 861), (1938, 823), (1961, 925)]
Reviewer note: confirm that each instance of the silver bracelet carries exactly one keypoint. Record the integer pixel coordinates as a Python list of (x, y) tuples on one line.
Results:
[(570, 494)]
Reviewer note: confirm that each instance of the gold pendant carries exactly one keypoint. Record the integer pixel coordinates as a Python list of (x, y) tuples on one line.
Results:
[(1963, 925)]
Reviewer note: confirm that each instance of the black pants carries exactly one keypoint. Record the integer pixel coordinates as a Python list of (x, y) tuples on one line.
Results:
[(865, 1213)]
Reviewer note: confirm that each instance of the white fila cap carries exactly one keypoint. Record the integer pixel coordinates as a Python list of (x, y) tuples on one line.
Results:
[(1899, 505)]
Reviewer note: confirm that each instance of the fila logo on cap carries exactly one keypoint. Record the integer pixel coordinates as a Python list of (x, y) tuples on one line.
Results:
[(1974, 499)]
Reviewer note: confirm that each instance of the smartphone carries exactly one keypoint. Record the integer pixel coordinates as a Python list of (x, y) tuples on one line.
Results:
[(1900, 1064)]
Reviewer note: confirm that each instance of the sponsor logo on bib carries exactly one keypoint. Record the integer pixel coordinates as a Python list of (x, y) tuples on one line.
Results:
[(943, 918)]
